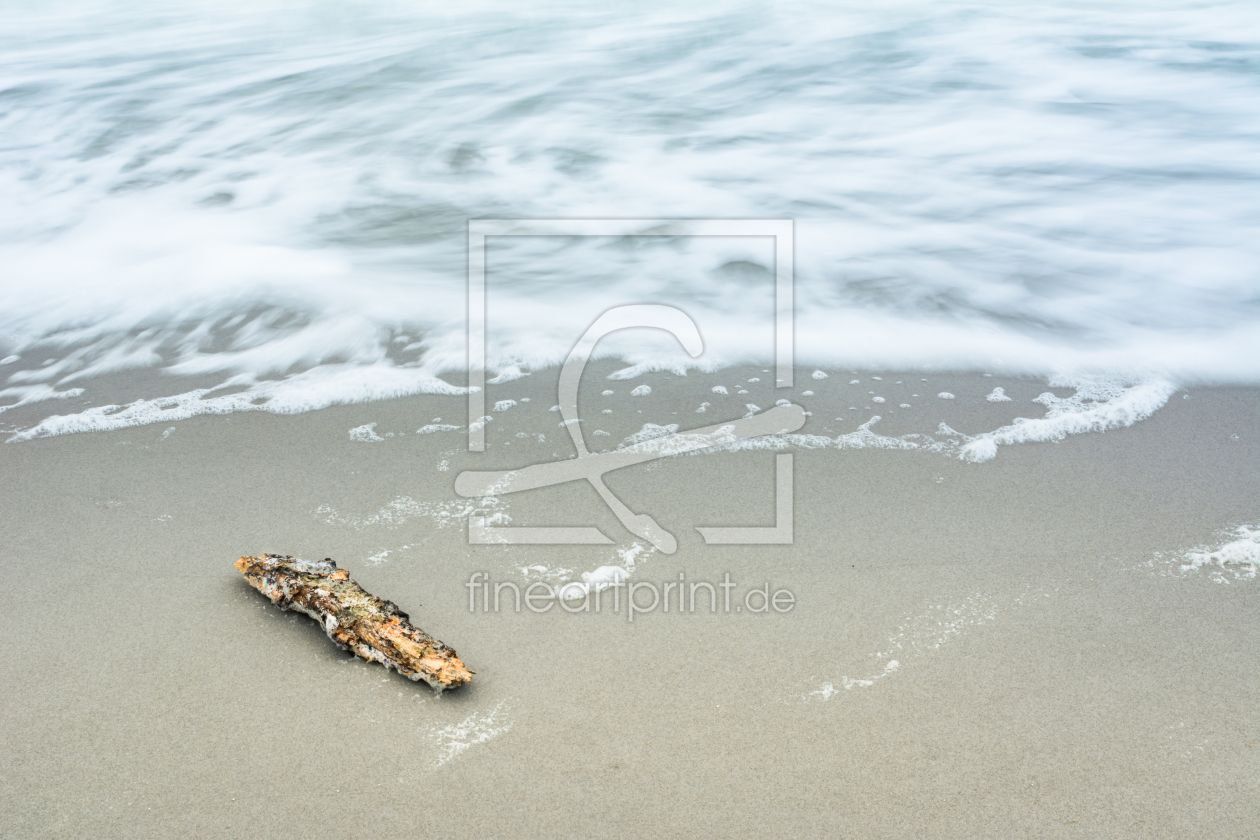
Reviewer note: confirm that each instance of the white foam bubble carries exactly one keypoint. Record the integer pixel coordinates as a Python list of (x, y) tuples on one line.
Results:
[(436, 427), (608, 575), (927, 632), (1099, 404), (641, 391), (365, 434), (478, 728), (315, 388), (27, 394), (1237, 559), (382, 556), (597, 581), (403, 509), (538, 572), (998, 395), (508, 373), (651, 431)]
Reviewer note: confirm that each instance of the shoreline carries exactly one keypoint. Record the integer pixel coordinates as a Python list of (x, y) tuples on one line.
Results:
[(135, 398)]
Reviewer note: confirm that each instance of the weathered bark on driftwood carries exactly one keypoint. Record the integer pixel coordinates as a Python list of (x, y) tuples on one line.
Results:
[(356, 620)]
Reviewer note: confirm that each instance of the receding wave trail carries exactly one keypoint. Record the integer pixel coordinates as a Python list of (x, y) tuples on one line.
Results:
[(274, 197)]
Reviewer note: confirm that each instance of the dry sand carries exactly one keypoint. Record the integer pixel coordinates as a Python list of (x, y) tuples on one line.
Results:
[(1057, 675)]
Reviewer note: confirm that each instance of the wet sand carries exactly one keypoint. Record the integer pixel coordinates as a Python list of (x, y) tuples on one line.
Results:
[(1056, 674)]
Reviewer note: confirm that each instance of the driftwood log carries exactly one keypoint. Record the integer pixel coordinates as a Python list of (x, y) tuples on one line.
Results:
[(355, 619)]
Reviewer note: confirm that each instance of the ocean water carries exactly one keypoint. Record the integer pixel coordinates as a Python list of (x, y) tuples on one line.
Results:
[(275, 196)]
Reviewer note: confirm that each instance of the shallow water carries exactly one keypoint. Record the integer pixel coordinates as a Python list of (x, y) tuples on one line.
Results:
[(276, 196)]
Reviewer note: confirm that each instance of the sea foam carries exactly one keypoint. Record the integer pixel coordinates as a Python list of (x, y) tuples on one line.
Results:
[(1019, 188)]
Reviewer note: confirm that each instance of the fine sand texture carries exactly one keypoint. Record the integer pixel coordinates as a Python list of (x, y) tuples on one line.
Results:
[(1001, 649)]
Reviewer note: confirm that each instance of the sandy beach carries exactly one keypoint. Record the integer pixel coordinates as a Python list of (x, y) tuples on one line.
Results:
[(269, 272), (999, 649)]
